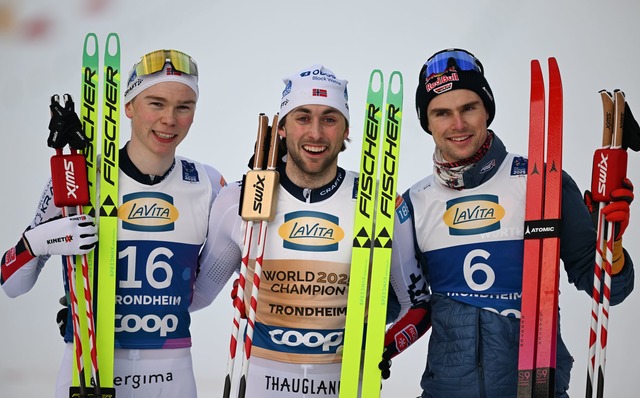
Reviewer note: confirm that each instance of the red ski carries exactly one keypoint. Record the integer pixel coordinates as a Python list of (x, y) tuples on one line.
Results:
[(540, 279)]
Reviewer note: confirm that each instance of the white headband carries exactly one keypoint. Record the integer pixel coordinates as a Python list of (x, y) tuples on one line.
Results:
[(137, 84)]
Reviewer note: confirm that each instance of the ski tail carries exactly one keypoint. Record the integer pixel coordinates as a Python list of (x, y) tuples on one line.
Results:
[(362, 239)]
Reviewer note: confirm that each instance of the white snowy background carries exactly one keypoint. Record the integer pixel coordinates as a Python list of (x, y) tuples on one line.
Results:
[(243, 49)]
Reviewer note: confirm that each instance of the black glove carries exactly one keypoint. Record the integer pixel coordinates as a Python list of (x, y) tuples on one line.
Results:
[(65, 127), (62, 316), (282, 151), (631, 136), (385, 365)]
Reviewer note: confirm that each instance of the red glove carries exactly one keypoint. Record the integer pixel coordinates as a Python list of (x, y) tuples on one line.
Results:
[(238, 302), (618, 210), (403, 333)]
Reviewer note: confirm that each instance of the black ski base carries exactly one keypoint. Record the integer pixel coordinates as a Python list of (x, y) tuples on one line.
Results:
[(545, 383), (105, 392)]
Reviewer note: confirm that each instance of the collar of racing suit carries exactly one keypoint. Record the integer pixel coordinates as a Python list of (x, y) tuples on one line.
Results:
[(487, 166), (130, 169), (311, 195)]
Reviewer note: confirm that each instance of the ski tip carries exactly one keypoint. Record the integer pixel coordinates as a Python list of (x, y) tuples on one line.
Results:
[(396, 73), (376, 74), (536, 72), (554, 71), (90, 44), (376, 79), (396, 77), (113, 44)]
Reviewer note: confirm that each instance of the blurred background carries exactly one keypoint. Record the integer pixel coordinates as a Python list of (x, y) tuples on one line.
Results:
[(243, 50)]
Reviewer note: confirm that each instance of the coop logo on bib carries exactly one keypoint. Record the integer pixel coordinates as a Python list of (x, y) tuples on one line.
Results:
[(306, 341), (311, 231), (475, 214), (148, 211)]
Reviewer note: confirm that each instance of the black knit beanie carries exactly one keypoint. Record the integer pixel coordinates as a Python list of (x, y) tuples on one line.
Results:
[(452, 79)]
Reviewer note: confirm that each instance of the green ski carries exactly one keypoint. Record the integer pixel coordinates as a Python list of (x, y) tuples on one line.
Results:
[(108, 209), (376, 200), (385, 210), (363, 236)]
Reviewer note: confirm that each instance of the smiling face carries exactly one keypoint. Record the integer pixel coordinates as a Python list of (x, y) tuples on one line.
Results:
[(315, 135), (458, 123), (160, 117)]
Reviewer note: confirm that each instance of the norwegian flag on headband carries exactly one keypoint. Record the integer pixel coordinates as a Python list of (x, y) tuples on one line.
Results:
[(171, 71), (319, 92)]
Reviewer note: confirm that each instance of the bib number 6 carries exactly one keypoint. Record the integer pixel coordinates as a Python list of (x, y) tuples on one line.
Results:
[(475, 269)]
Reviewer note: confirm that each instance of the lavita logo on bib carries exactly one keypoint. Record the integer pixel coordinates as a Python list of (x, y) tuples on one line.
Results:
[(475, 214), (311, 231), (148, 211)]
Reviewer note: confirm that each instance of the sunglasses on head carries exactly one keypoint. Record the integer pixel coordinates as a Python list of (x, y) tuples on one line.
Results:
[(155, 61), (441, 61)]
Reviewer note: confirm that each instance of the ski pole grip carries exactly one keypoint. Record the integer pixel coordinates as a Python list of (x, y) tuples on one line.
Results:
[(261, 141), (259, 187), (607, 117), (272, 161), (69, 179), (608, 171)]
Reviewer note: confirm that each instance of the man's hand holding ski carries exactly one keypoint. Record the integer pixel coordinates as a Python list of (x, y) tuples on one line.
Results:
[(403, 333), (617, 211)]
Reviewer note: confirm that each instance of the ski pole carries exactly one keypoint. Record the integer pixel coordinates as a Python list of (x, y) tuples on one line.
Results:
[(607, 132), (616, 144), (609, 169), (238, 301), (76, 321), (70, 188), (249, 216), (266, 196), (91, 329)]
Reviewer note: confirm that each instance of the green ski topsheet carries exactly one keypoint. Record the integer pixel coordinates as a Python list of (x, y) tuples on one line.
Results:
[(371, 253), (108, 209), (89, 118)]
